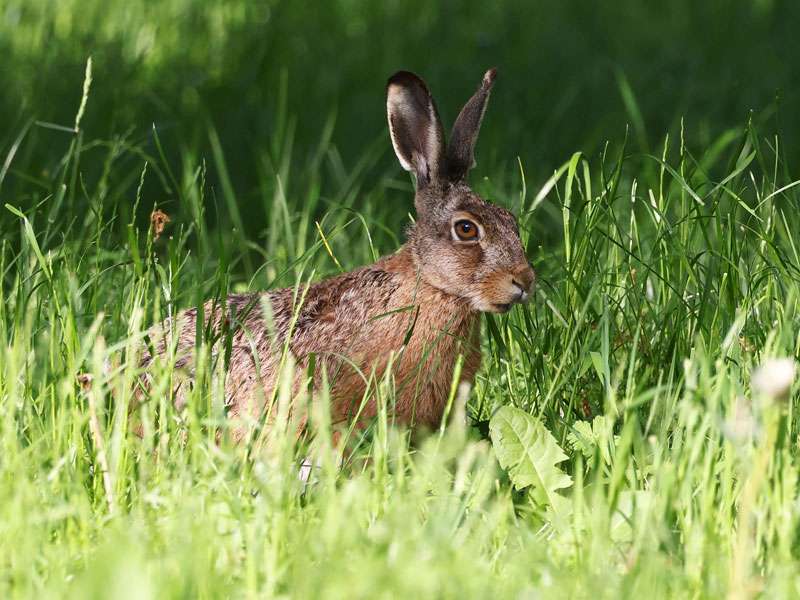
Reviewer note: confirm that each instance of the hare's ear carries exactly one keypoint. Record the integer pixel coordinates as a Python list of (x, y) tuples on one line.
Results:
[(461, 149), (415, 128)]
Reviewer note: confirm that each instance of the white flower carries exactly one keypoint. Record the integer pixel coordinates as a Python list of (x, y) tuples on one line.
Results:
[(774, 378)]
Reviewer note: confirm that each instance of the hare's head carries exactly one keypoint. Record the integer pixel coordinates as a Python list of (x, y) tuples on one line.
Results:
[(462, 244)]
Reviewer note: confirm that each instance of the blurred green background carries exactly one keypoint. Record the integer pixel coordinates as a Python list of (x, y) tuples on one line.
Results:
[(264, 75)]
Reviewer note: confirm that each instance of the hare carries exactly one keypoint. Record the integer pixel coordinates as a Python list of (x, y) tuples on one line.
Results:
[(413, 312)]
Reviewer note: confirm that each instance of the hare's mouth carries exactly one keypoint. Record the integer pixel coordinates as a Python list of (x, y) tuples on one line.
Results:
[(502, 308)]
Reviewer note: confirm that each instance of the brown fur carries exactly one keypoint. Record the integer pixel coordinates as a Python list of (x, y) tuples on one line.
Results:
[(416, 310), (354, 324)]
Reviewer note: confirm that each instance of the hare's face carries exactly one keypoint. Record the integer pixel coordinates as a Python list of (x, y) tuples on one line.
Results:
[(463, 245), (470, 248)]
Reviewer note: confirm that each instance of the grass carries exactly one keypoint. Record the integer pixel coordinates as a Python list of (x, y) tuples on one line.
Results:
[(668, 271)]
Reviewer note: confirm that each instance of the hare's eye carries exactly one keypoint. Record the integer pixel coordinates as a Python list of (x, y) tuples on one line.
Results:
[(466, 230)]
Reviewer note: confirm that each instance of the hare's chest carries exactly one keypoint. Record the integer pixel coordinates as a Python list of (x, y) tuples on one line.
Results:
[(429, 367), (421, 352)]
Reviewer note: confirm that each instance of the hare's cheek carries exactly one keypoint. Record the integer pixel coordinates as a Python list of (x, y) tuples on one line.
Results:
[(471, 259)]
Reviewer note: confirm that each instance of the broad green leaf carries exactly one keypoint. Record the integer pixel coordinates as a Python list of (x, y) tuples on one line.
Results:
[(582, 439), (528, 451), (586, 437)]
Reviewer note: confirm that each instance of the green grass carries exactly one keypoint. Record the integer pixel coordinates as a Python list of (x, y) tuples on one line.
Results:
[(668, 270)]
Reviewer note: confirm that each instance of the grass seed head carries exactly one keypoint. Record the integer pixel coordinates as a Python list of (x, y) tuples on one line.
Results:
[(158, 220)]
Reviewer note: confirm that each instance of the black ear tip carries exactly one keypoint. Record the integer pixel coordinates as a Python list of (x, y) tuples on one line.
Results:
[(488, 78), (406, 79)]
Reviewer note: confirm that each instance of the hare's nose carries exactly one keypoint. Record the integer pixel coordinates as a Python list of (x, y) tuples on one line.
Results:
[(522, 295), (523, 279)]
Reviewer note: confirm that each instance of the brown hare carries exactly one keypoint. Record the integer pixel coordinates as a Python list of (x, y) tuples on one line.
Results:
[(414, 311)]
